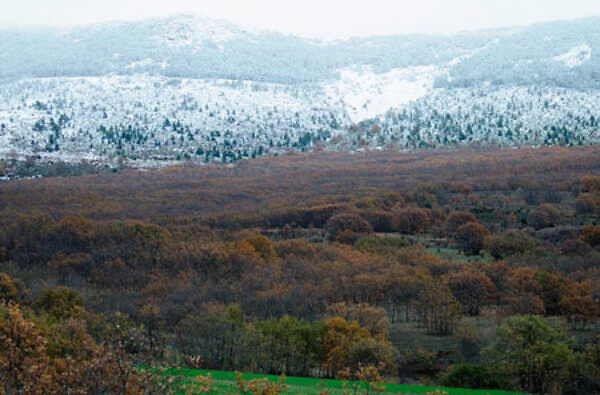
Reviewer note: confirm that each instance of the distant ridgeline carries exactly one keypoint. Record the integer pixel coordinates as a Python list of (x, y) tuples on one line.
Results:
[(557, 53)]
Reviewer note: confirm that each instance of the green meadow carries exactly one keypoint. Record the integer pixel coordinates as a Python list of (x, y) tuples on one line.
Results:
[(225, 383)]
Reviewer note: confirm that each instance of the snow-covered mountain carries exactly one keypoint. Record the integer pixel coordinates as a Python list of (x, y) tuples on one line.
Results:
[(187, 46), (190, 88)]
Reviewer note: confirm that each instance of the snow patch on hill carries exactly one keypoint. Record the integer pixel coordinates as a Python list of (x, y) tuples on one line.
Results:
[(576, 56), (469, 55), (366, 94), (145, 63)]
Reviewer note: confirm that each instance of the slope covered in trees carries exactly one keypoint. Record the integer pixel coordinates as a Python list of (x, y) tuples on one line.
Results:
[(186, 46), (451, 267)]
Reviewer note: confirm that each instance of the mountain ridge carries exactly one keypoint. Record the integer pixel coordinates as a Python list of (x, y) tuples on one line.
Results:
[(223, 50)]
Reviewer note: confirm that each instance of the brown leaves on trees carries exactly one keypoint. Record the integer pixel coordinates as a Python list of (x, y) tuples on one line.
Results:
[(438, 309), (457, 219), (591, 235), (544, 216), (473, 290), (512, 242), (347, 345), (345, 222), (470, 237), (13, 290), (412, 220), (60, 357), (373, 318), (587, 203), (24, 364)]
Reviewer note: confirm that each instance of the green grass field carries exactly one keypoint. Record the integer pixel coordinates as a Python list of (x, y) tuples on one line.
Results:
[(225, 383)]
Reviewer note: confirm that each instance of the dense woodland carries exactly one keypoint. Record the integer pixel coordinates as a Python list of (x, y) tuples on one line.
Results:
[(474, 268)]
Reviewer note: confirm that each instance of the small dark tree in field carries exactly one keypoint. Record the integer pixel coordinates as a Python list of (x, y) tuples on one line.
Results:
[(544, 216), (470, 237), (347, 221)]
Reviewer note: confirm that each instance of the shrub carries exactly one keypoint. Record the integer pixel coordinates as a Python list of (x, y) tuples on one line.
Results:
[(467, 375)]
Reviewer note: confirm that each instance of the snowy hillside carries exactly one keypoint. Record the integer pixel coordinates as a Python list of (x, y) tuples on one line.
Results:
[(149, 118), (189, 88)]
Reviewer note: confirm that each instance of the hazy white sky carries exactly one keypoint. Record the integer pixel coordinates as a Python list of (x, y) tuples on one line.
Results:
[(316, 18)]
